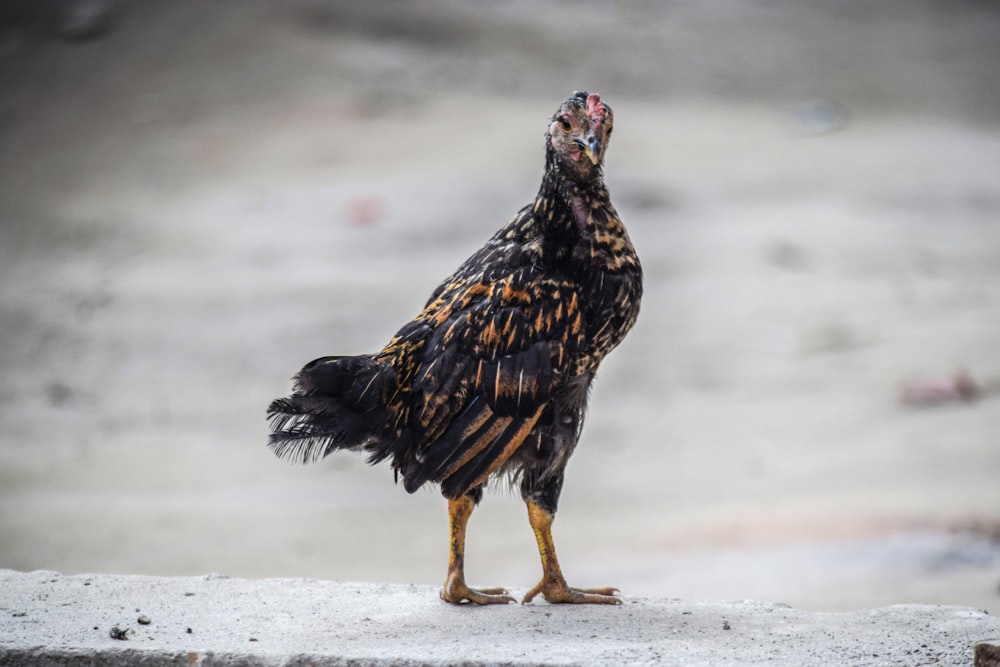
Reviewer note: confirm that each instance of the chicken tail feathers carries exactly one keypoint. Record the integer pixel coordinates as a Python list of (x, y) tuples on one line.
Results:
[(336, 403)]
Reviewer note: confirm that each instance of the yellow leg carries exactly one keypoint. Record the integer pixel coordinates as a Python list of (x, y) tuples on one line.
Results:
[(455, 590), (553, 586)]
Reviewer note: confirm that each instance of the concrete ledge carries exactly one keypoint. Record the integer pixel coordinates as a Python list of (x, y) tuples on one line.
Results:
[(50, 619)]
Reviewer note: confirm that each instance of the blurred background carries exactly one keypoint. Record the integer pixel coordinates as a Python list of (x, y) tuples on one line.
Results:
[(197, 198)]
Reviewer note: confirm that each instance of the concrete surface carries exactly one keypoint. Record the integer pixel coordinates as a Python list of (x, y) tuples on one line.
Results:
[(47, 618)]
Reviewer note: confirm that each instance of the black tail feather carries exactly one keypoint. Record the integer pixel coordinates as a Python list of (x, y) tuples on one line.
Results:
[(337, 403)]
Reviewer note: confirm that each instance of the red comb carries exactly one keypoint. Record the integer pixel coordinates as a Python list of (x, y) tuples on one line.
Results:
[(595, 109)]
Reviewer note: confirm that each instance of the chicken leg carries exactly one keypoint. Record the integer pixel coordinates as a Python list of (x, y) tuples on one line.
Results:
[(553, 586), (455, 590)]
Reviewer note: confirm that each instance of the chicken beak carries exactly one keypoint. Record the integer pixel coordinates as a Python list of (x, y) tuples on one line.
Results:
[(592, 149)]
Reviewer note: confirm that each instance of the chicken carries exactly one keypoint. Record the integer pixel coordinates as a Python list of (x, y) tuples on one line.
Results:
[(491, 379)]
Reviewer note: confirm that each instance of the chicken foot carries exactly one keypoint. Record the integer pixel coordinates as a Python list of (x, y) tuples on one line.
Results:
[(553, 585), (455, 589)]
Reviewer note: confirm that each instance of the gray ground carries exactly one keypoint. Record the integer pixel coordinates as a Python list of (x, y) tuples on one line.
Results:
[(51, 619), (212, 194)]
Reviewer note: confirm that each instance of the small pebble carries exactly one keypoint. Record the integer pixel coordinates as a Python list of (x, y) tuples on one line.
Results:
[(118, 633), (726, 626), (144, 620), (189, 631)]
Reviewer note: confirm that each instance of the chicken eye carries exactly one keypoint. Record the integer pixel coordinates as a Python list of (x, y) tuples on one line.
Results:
[(565, 124)]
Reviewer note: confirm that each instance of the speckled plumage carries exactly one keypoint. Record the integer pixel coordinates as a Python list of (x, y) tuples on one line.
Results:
[(493, 375)]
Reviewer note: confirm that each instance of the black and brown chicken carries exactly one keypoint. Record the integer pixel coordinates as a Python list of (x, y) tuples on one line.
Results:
[(491, 379)]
